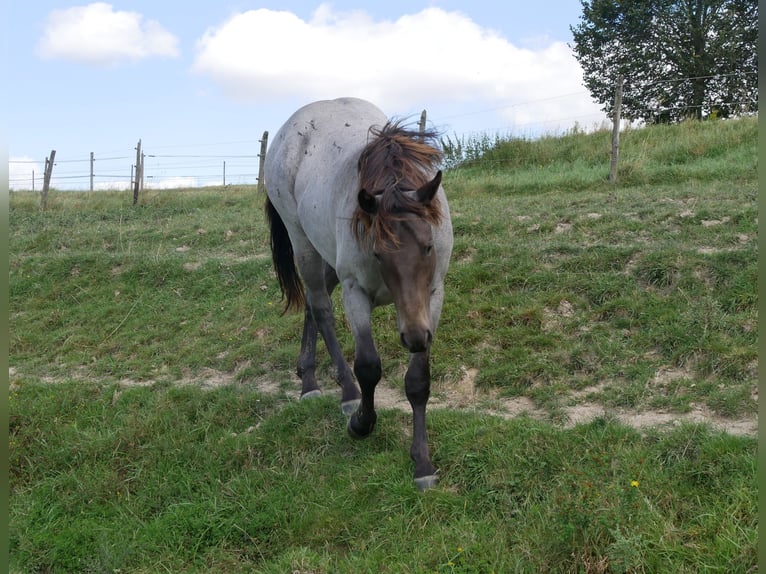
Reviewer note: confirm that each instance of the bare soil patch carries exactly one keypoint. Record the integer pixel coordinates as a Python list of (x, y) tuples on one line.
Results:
[(463, 395)]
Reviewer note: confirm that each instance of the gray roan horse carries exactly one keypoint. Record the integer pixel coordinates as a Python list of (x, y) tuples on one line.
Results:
[(356, 200)]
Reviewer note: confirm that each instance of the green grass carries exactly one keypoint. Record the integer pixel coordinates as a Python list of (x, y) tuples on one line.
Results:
[(647, 283), (563, 289), (186, 480)]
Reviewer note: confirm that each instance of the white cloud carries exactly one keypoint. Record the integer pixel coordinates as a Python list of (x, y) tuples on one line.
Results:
[(109, 185), (429, 57), (21, 171), (172, 183), (98, 35)]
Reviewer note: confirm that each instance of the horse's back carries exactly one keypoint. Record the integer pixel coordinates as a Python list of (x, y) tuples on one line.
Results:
[(318, 145), (311, 169)]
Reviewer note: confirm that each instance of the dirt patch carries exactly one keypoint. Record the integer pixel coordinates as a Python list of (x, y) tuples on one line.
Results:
[(714, 222), (698, 414), (467, 257), (462, 394), (552, 317)]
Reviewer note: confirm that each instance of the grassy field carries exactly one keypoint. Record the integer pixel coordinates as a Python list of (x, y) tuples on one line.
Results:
[(153, 420)]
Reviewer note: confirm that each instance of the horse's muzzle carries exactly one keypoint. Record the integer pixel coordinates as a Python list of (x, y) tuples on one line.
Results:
[(416, 341)]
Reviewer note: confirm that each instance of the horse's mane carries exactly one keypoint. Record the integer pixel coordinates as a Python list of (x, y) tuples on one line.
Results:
[(395, 160)]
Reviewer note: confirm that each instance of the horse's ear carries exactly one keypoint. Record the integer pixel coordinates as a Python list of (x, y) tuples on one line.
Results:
[(368, 202), (427, 191)]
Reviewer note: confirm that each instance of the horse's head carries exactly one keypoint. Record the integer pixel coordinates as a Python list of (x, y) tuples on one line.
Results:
[(404, 249)]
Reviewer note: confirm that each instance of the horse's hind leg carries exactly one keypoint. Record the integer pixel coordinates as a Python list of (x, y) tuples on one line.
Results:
[(307, 358), (320, 280)]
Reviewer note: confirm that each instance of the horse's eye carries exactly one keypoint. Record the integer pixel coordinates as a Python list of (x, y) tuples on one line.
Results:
[(428, 249)]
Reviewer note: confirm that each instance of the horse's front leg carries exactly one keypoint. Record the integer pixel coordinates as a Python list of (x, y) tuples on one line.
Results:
[(367, 366), (417, 384), (367, 369)]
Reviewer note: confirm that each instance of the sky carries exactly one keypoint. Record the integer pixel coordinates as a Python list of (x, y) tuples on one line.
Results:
[(199, 82)]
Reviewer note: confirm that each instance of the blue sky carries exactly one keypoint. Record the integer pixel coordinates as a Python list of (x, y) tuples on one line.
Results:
[(199, 82)]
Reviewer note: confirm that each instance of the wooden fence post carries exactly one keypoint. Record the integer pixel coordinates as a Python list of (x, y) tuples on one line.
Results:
[(47, 180), (422, 121), (91, 171), (138, 174), (616, 111), (262, 161)]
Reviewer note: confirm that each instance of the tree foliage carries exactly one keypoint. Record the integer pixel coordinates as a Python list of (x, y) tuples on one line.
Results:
[(679, 58)]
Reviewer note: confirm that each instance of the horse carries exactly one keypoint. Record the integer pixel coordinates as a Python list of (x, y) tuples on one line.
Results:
[(355, 199)]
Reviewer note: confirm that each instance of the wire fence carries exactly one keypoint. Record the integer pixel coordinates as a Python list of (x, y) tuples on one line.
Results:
[(117, 172), (168, 167)]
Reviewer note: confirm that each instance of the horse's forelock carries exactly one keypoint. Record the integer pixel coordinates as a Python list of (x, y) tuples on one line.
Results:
[(398, 156), (394, 161)]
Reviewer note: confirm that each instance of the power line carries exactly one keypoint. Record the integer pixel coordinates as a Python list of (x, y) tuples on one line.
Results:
[(205, 156), (71, 161), (242, 142), (710, 77), (201, 170), (514, 105)]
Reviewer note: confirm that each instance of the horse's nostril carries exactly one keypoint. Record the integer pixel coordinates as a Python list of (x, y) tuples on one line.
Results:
[(416, 342)]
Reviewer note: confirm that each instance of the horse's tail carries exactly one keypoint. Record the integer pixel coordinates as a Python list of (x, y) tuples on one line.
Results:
[(284, 260)]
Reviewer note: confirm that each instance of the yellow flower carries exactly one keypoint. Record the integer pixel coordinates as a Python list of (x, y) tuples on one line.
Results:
[(634, 483)]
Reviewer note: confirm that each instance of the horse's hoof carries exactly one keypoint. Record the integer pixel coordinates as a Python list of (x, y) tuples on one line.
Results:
[(358, 433), (425, 482), (348, 408), (311, 394)]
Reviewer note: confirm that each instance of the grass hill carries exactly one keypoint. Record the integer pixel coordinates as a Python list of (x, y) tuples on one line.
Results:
[(153, 420)]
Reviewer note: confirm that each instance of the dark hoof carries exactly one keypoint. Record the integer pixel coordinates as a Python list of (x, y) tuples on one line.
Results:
[(348, 408), (425, 482), (356, 430), (311, 394)]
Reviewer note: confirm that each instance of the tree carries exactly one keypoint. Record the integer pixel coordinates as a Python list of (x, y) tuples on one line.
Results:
[(680, 58)]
